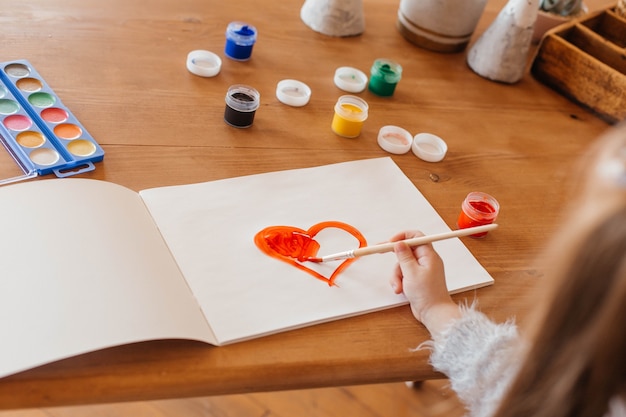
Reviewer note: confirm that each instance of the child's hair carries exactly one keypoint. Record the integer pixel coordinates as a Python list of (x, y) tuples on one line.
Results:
[(576, 362)]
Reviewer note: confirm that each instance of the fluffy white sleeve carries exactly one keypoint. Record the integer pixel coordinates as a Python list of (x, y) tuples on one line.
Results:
[(479, 357)]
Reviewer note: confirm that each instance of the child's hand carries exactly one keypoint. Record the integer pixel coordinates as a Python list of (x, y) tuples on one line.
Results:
[(420, 276)]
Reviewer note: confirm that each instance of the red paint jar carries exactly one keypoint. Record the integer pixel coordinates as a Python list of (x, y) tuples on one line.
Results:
[(476, 210)]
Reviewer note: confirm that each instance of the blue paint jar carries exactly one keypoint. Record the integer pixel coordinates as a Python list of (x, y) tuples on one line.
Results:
[(240, 38)]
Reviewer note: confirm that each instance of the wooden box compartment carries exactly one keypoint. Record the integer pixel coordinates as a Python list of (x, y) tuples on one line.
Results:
[(585, 60)]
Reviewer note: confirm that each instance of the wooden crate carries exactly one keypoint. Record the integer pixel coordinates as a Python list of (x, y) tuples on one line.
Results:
[(585, 60)]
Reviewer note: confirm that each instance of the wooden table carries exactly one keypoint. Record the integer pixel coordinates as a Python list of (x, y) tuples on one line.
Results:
[(120, 66)]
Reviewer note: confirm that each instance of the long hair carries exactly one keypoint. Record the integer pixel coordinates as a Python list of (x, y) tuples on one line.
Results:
[(577, 359)]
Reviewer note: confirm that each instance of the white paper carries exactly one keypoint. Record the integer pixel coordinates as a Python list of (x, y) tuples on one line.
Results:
[(244, 293), (83, 268), (86, 266)]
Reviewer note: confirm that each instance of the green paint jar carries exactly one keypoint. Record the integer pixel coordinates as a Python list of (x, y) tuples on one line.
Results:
[(384, 77)]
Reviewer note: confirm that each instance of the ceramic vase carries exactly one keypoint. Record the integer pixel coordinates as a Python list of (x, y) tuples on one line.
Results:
[(439, 25), (334, 17), (501, 52)]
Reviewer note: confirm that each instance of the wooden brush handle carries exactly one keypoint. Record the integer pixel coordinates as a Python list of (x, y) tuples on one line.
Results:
[(416, 241)]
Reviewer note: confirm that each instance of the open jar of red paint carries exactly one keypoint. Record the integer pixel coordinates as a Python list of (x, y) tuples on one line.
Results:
[(478, 209)]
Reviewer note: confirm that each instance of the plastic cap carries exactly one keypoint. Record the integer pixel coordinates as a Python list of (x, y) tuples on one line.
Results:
[(293, 93), (429, 147), (203, 63), (350, 79), (394, 139)]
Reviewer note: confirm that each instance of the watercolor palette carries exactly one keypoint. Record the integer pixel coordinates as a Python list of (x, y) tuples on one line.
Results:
[(40, 134)]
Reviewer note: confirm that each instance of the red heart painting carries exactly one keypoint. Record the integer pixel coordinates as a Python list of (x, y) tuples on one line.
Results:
[(295, 246)]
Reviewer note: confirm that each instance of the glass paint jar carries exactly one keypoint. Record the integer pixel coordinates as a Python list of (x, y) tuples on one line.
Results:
[(350, 113), (242, 101), (385, 75), (478, 209), (240, 38)]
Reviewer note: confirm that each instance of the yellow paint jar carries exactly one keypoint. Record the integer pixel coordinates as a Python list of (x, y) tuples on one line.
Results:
[(350, 113)]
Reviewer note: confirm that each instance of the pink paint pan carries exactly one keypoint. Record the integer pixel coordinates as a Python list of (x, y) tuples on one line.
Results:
[(40, 134)]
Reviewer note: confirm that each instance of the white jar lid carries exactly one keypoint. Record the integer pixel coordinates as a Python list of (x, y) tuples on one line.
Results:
[(293, 93), (203, 63), (350, 79), (429, 147), (394, 139)]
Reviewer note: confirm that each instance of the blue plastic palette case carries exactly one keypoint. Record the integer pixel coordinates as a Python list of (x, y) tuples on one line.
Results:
[(41, 135)]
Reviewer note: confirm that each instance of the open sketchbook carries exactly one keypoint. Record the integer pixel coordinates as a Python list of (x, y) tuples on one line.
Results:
[(89, 264)]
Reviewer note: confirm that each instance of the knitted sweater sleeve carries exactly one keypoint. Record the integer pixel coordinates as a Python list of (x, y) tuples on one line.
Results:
[(479, 357)]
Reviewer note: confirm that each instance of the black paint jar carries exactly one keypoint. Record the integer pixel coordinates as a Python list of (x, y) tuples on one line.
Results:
[(241, 104)]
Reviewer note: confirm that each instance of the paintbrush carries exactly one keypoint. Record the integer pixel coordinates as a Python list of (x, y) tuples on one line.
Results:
[(416, 241)]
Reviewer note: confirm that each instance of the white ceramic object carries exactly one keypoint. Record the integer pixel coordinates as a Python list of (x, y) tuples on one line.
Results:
[(501, 52), (439, 25), (334, 17)]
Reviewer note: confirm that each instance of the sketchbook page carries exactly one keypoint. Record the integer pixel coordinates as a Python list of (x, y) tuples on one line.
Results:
[(84, 267), (244, 293)]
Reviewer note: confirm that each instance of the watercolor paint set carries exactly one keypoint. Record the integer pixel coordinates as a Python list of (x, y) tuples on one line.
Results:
[(40, 134)]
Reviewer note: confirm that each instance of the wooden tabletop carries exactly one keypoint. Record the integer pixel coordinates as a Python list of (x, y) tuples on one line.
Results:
[(120, 67)]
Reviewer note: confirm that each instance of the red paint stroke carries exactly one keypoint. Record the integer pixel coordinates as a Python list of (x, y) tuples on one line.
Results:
[(294, 246)]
